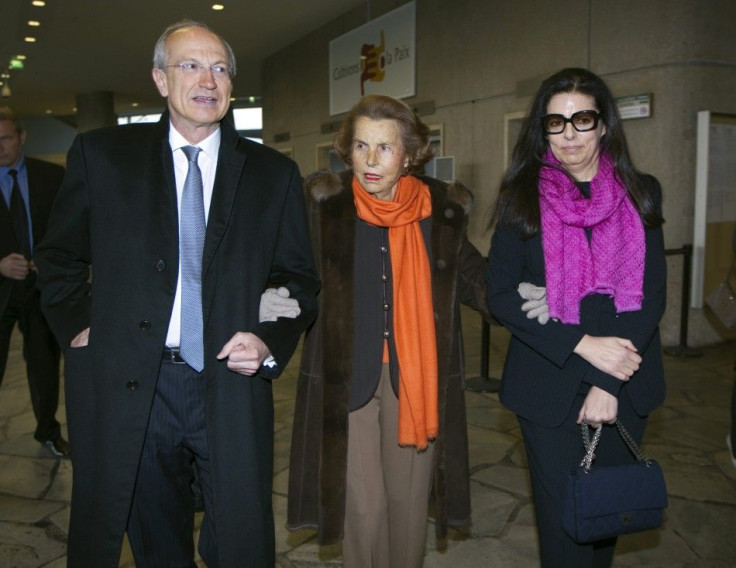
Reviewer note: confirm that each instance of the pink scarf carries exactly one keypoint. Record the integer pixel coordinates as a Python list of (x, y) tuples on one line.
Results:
[(612, 263)]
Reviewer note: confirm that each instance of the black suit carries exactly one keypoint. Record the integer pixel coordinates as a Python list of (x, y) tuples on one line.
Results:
[(545, 383), (117, 211), (19, 302)]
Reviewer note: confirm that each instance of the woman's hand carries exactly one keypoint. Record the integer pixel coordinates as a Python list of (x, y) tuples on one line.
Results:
[(613, 355), (600, 407)]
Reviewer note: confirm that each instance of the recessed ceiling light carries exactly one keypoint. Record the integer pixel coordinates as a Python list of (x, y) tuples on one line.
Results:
[(34, 23), (21, 57), (134, 104), (218, 6), (49, 111), (38, 3), (30, 39)]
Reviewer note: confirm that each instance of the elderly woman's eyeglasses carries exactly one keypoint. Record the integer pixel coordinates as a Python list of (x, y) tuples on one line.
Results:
[(582, 121)]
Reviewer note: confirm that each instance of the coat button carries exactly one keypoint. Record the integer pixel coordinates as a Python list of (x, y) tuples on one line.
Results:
[(132, 385), (145, 325), (386, 307), (449, 213), (441, 264), (160, 265)]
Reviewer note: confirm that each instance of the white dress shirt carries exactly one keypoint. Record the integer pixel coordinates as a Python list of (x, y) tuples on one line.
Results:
[(207, 160)]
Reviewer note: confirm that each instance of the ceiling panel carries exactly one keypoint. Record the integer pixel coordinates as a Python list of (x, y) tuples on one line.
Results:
[(103, 45)]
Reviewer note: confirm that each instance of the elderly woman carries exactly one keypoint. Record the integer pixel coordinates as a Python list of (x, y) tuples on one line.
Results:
[(574, 216), (380, 413)]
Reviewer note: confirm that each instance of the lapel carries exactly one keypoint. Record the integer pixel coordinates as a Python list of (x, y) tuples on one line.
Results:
[(4, 209), (230, 164), (39, 197), (7, 236), (163, 188)]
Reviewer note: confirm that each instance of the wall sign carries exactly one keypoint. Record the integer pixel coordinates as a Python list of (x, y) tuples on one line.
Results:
[(635, 106), (377, 58)]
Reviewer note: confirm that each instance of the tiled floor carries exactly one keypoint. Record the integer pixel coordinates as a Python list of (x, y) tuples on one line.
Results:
[(687, 436)]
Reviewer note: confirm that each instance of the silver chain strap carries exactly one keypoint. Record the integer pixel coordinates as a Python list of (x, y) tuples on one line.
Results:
[(591, 445)]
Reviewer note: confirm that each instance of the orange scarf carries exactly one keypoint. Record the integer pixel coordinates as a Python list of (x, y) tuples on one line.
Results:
[(416, 341)]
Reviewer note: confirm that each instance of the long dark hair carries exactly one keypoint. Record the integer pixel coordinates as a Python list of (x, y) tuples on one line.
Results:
[(517, 204)]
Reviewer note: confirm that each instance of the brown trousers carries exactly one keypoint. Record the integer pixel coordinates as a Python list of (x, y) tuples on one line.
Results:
[(387, 488)]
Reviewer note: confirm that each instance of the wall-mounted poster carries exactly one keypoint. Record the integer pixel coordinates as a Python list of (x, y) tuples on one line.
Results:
[(377, 57)]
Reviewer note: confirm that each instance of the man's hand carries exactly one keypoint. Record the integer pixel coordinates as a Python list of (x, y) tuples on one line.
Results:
[(536, 302), (599, 407), (81, 340), (245, 353), (275, 303), (613, 355), (15, 266)]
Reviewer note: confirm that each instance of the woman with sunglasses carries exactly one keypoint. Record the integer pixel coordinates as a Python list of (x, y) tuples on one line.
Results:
[(577, 220)]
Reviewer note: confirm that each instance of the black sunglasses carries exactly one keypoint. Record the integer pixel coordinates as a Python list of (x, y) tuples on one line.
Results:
[(582, 121)]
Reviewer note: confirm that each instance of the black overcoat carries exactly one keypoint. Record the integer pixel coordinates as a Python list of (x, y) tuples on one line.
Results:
[(117, 211), (319, 441)]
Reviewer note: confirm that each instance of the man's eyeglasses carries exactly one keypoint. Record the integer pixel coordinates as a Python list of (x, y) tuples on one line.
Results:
[(218, 70), (582, 121)]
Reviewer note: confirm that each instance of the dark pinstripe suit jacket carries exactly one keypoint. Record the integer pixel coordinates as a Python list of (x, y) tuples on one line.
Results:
[(542, 374)]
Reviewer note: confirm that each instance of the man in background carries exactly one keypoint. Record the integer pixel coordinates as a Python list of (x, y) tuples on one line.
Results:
[(28, 190)]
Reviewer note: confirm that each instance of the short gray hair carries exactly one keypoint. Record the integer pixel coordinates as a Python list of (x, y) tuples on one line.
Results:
[(7, 113), (161, 56)]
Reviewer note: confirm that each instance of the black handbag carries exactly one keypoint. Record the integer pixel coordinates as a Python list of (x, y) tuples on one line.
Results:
[(607, 501)]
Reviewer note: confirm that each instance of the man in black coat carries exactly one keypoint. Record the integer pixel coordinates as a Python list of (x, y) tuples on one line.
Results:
[(28, 190), (149, 389)]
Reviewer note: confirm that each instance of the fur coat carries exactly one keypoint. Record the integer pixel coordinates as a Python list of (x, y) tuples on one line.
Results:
[(319, 440)]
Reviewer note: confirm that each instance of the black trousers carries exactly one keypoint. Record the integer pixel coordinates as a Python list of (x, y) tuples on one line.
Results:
[(552, 455), (40, 352), (161, 523)]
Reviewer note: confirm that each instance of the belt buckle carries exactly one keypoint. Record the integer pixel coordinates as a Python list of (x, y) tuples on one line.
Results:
[(174, 356)]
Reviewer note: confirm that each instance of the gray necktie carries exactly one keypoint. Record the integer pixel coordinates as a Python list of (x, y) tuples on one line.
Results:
[(19, 216), (191, 243)]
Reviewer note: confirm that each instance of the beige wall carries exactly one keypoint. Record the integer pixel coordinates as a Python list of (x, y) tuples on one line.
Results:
[(479, 60)]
